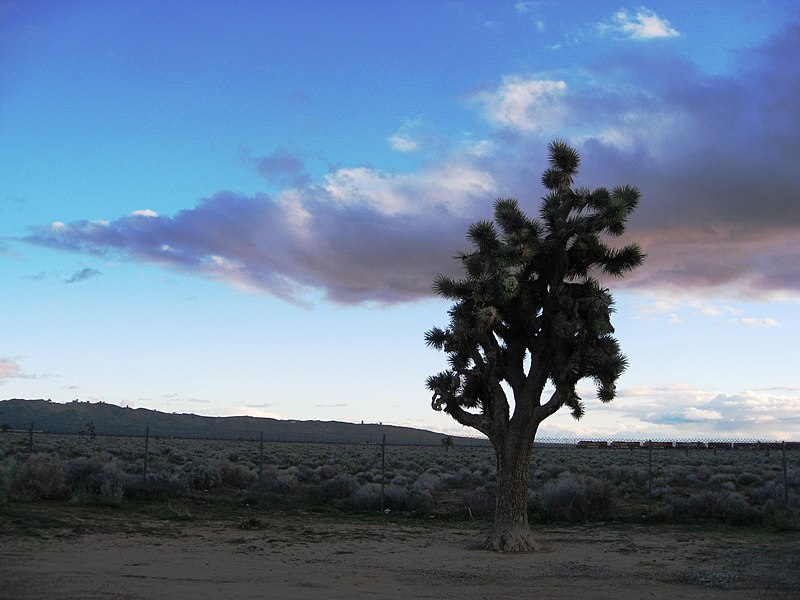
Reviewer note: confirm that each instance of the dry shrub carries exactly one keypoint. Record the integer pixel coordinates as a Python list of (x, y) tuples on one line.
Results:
[(97, 479), (203, 477), (338, 487), (40, 476), (365, 498), (236, 475), (731, 507), (368, 498), (428, 482), (748, 479), (575, 498)]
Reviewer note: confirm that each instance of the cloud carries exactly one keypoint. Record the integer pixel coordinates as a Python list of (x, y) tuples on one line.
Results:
[(643, 25), (82, 275), (760, 322), (678, 307), (175, 398), (527, 104), (680, 411), (282, 167), (144, 213), (361, 236), (405, 140), (9, 369), (9, 252), (715, 158)]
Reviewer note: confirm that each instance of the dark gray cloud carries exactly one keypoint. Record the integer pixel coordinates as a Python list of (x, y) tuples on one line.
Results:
[(82, 275), (282, 167), (354, 253), (715, 158)]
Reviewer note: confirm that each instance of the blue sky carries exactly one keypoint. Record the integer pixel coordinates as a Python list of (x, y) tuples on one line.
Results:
[(239, 207)]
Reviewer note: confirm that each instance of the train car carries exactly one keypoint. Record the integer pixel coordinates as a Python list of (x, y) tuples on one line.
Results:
[(690, 445), (629, 445), (770, 446), (592, 444), (651, 444), (720, 445)]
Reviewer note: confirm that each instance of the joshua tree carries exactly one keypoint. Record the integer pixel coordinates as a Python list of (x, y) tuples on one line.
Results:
[(447, 443), (530, 314)]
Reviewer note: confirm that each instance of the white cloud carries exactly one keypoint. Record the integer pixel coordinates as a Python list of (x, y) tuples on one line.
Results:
[(363, 185), (644, 25), (677, 308), (531, 105), (144, 213), (702, 414), (479, 148), (450, 185), (675, 319), (713, 310), (758, 322), (402, 142), (681, 411)]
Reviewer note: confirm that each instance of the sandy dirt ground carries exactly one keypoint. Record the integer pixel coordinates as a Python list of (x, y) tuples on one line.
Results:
[(296, 556)]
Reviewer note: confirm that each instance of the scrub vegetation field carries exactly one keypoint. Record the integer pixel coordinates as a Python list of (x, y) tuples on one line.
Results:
[(568, 484)]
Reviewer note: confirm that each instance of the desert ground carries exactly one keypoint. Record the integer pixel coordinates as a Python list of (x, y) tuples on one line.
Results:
[(84, 553)]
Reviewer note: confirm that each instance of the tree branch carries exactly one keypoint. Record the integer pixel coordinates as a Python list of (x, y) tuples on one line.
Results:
[(468, 419)]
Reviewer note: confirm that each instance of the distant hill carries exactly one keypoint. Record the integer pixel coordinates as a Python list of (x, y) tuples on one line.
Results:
[(109, 419)]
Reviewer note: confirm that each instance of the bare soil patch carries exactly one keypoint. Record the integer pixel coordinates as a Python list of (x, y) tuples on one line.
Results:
[(57, 551)]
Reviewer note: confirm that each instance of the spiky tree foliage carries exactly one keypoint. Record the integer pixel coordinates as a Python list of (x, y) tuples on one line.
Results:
[(528, 314)]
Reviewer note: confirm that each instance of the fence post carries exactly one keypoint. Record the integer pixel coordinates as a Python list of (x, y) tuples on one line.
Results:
[(30, 439), (383, 467), (785, 479), (650, 479), (261, 464), (146, 451)]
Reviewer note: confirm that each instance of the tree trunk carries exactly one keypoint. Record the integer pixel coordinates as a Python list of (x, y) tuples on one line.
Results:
[(511, 532)]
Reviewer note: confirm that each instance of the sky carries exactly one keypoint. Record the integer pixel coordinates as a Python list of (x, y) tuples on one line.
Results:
[(238, 208)]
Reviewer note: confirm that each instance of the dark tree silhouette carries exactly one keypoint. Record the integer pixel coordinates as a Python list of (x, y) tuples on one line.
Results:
[(447, 443), (529, 314)]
